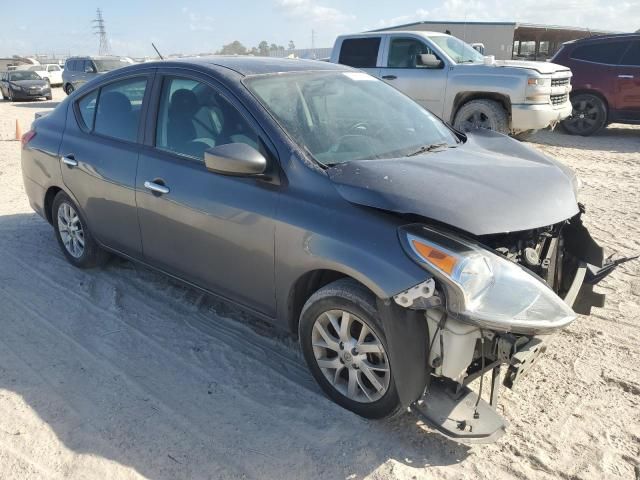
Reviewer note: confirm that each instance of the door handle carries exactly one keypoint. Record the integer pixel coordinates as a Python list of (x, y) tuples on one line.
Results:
[(389, 77), (70, 161), (625, 76), (156, 187)]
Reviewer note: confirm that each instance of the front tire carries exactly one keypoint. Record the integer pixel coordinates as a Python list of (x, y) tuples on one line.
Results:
[(68, 89), (482, 113), (346, 350), (73, 234), (589, 115)]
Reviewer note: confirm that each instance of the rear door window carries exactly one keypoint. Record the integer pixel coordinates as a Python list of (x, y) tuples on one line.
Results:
[(119, 107), (360, 52), (606, 52), (632, 56)]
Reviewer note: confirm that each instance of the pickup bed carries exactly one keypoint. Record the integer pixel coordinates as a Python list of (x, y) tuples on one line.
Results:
[(457, 83)]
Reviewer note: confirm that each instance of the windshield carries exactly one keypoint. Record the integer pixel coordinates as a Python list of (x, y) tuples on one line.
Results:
[(459, 51), (18, 75), (343, 116), (108, 65)]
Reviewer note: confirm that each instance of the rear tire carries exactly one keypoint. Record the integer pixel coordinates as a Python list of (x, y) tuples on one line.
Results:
[(342, 350), (487, 114), (73, 234), (68, 89), (589, 115)]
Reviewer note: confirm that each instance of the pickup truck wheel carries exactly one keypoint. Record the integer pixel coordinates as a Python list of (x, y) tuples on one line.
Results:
[(346, 350), (487, 114), (68, 89), (589, 115)]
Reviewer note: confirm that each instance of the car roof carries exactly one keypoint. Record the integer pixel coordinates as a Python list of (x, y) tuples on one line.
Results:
[(377, 33), (611, 36), (248, 65)]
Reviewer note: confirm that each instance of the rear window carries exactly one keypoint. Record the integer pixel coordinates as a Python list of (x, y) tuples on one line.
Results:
[(632, 57), (360, 52), (606, 52), (118, 112)]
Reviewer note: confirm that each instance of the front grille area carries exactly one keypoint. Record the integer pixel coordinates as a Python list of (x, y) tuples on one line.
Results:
[(559, 82), (557, 100)]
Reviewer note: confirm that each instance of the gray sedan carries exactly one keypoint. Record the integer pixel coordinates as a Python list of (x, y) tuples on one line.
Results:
[(409, 258), (24, 85)]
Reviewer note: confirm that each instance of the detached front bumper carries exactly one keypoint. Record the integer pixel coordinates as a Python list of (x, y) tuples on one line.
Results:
[(534, 117)]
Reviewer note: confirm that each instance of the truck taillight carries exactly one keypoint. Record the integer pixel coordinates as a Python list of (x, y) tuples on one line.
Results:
[(27, 137)]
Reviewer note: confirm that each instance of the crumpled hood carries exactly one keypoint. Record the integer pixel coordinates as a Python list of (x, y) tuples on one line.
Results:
[(490, 184), (541, 67)]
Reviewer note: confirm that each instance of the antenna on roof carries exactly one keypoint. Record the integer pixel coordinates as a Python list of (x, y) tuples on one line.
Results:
[(157, 51)]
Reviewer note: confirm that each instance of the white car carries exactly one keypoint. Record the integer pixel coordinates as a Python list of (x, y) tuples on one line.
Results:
[(50, 71)]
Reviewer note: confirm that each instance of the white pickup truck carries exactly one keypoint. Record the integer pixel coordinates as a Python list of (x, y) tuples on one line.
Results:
[(460, 85)]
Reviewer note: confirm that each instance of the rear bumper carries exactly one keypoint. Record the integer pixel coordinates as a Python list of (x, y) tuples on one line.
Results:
[(534, 117)]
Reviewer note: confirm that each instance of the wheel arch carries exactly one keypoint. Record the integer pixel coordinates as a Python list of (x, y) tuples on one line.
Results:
[(595, 93), (50, 194), (462, 98), (305, 286)]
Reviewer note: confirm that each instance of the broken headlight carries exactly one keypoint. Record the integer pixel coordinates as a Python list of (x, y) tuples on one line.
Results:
[(483, 287)]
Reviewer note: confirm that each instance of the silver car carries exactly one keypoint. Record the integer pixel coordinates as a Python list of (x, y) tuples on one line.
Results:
[(409, 258), (79, 70)]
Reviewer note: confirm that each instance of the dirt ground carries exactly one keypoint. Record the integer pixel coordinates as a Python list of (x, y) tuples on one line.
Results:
[(121, 373)]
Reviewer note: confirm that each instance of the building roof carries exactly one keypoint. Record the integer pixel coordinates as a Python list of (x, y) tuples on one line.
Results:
[(516, 25)]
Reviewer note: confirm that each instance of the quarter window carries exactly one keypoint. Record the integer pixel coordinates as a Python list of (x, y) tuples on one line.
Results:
[(87, 108), (632, 57), (606, 52), (194, 117), (360, 52), (119, 106)]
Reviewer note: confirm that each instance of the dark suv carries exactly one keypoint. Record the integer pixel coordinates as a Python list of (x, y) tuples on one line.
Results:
[(606, 81)]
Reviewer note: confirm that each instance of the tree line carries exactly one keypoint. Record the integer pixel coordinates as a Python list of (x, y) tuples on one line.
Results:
[(262, 50)]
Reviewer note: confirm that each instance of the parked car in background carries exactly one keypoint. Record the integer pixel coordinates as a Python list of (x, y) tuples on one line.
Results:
[(460, 85), (23, 85), (79, 70), (404, 254), (49, 71), (606, 81)]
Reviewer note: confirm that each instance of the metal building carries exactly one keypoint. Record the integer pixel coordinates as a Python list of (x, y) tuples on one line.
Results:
[(507, 40)]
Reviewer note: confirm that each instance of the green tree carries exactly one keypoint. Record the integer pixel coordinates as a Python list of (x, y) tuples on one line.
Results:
[(233, 48), (292, 46), (263, 48)]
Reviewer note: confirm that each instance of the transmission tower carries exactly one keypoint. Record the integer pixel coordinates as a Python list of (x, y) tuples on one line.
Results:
[(100, 30)]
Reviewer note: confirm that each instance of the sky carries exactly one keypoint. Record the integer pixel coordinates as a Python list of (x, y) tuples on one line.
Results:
[(198, 26)]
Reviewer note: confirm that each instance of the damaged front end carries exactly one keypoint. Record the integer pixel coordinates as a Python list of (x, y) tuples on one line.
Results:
[(492, 302)]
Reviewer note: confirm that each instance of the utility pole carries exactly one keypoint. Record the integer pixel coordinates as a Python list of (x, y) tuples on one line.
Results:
[(313, 43), (100, 30)]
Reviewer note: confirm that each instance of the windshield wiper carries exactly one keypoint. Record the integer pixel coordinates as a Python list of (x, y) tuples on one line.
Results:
[(428, 148)]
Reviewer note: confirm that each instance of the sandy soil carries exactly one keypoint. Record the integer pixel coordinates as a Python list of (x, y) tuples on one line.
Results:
[(122, 373)]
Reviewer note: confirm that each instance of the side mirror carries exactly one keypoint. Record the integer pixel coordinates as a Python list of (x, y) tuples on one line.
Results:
[(89, 69), (429, 60), (235, 159)]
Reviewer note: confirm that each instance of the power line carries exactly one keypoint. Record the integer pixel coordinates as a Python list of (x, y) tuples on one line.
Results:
[(100, 30)]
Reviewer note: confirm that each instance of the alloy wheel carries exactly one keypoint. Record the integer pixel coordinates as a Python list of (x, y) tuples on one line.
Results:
[(586, 114), (71, 231), (351, 356)]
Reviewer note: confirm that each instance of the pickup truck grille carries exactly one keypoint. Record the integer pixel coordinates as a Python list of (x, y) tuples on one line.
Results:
[(557, 100), (559, 82)]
